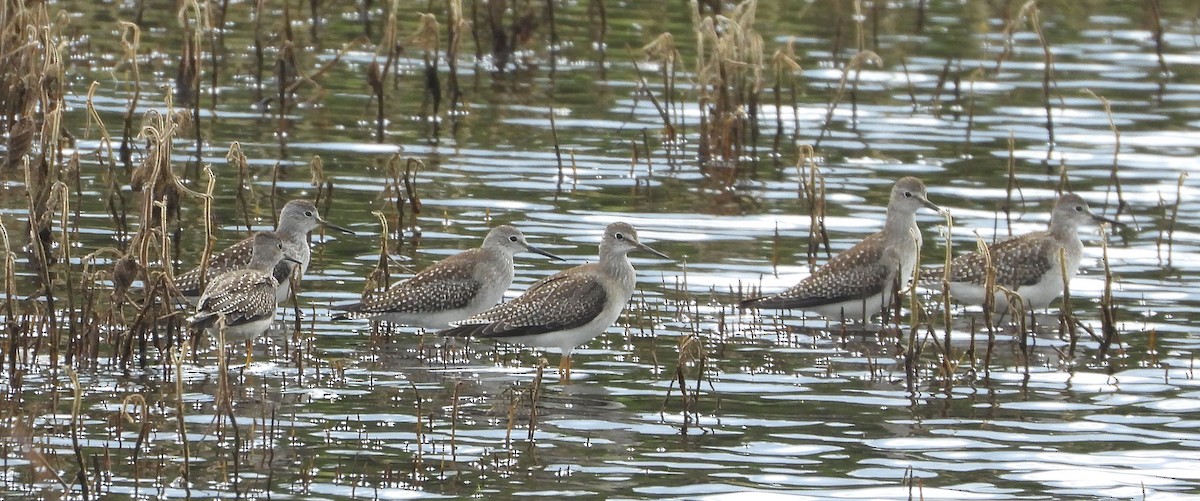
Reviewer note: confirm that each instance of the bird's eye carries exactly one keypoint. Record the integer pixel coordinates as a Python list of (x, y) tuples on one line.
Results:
[(279, 246), (1078, 208), (308, 213), (619, 236), (512, 238), (908, 194)]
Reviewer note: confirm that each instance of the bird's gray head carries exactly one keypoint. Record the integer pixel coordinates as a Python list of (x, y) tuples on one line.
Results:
[(908, 195), (511, 241), (268, 251), (621, 238), (1072, 210), (301, 216)]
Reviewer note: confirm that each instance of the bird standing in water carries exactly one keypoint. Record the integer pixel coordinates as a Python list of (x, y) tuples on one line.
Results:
[(245, 298), (296, 220), (860, 282), (451, 289), (1028, 265), (568, 309)]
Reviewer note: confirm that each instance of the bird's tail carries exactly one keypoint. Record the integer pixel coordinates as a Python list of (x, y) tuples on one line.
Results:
[(353, 311), (463, 331), (202, 320)]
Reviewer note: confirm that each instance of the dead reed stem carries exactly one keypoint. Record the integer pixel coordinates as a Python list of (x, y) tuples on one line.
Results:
[(855, 64), (948, 232), (784, 64), (668, 126), (1012, 183), (76, 405), (181, 424), (455, 26), (1174, 216), (728, 76), (1157, 28), (812, 189), (244, 191), (535, 395), (138, 402), (131, 36), (11, 329), (379, 279), (1113, 179), (1108, 310), (1067, 319)]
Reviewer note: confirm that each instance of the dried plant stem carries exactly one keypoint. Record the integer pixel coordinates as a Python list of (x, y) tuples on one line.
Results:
[(1067, 319), (1113, 179), (1012, 183), (455, 27), (1108, 310), (1170, 231), (244, 185), (1156, 22), (177, 358), (813, 190), (131, 36), (535, 395), (856, 63), (76, 405)]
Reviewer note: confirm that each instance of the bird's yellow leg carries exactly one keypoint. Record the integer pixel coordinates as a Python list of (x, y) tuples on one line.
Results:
[(564, 368)]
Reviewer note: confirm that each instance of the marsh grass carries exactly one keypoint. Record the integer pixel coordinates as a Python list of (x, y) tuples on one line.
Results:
[(244, 191), (693, 358), (855, 66), (812, 191), (1166, 235), (663, 53), (728, 82), (1029, 15), (1111, 340), (1114, 180), (785, 68)]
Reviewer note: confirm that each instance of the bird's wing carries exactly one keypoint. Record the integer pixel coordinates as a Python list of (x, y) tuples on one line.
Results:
[(561, 302), (447, 284), (1017, 261), (236, 256), (856, 273), (241, 295)]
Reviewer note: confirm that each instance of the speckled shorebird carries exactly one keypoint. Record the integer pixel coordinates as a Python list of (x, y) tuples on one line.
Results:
[(568, 309), (244, 297), (296, 220), (1028, 264), (451, 289), (860, 281)]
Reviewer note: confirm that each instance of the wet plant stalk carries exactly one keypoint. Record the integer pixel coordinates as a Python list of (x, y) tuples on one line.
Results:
[(1108, 310)]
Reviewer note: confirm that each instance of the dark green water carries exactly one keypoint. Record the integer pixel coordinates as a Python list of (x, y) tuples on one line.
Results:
[(784, 405)]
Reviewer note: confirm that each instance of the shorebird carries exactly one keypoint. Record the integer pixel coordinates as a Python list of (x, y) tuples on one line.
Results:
[(1028, 264), (244, 297), (568, 309), (451, 289), (860, 281), (296, 220)]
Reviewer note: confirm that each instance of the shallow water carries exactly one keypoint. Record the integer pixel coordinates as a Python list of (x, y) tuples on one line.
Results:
[(776, 404)]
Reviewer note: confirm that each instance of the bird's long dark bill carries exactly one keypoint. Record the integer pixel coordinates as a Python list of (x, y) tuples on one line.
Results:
[(292, 260), (1101, 219), (536, 250), (930, 205), (647, 248), (330, 225)]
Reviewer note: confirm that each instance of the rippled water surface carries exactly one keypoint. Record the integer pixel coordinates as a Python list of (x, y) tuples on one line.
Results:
[(771, 403)]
